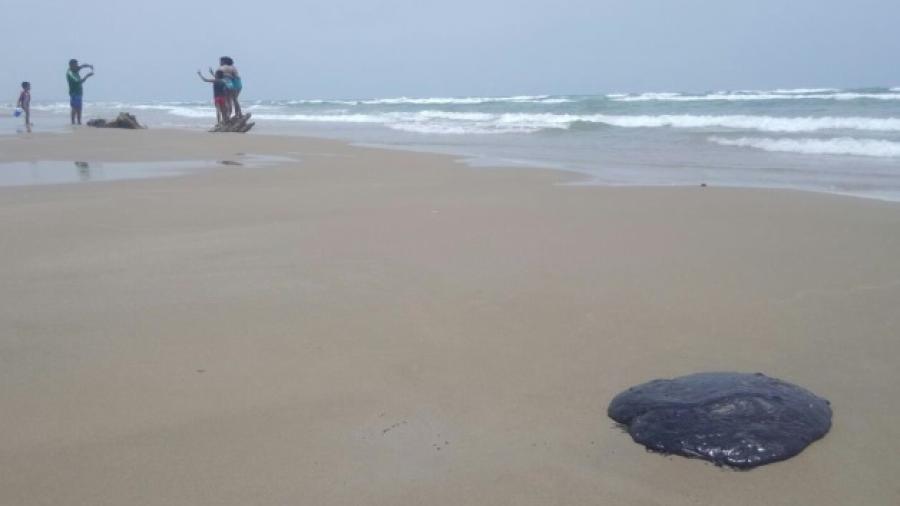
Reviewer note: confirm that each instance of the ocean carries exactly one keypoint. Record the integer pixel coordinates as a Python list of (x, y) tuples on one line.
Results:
[(844, 141)]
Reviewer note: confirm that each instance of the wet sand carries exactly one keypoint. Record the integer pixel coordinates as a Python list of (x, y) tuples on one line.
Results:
[(371, 327)]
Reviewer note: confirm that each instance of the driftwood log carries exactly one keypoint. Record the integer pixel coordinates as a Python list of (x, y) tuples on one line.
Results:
[(237, 124), (124, 120)]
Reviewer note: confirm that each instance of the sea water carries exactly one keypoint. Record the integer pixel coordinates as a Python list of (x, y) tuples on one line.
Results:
[(41, 172), (832, 140), (62, 172)]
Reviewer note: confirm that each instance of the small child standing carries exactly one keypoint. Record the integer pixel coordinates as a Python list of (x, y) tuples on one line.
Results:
[(220, 95), (24, 103)]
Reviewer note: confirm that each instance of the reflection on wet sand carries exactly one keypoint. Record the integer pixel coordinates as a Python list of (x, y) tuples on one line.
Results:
[(58, 172), (84, 171)]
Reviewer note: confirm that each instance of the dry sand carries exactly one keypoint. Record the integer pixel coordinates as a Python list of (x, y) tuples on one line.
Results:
[(369, 327)]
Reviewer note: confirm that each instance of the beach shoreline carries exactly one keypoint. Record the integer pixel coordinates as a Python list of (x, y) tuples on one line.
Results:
[(190, 160), (828, 140), (353, 325)]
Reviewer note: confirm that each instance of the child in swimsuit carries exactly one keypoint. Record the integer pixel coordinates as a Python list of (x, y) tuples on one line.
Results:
[(220, 95), (24, 103)]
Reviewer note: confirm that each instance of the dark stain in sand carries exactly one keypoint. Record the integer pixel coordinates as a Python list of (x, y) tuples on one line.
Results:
[(731, 419), (392, 427)]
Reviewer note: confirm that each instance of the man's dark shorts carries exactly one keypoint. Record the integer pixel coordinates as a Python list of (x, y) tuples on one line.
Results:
[(75, 102)]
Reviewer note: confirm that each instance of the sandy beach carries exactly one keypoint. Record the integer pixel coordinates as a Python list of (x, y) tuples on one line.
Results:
[(366, 327)]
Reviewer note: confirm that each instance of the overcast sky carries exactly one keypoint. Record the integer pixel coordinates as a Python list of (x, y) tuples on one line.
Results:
[(372, 48)]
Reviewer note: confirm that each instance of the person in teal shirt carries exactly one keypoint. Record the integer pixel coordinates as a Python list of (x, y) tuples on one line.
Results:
[(76, 90)]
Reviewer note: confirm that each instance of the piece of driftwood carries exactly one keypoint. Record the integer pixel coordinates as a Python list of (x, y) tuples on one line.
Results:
[(124, 120), (237, 124)]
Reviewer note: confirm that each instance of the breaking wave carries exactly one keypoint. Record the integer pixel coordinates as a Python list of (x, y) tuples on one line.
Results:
[(836, 146), (759, 123), (541, 99), (435, 121), (799, 94), (838, 137), (804, 91)]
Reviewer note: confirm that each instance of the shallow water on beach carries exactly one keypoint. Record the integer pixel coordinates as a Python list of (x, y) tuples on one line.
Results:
[(64, 172), (59, 172), (842, 141)]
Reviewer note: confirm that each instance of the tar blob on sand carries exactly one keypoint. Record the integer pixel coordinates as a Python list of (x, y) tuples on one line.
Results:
[(731, 419)]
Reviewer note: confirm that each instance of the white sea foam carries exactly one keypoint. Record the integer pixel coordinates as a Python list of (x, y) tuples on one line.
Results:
[(256, 108), (443, 122), (464, 100), (538, 99), (51, 107), (183, 109), (759, 123), (437, 121), (835, 146), (192, 112), (755, 96), (460, 129), (319, 101), (853, 96), (804, 91), (325, 118), (647, 97), (521, 122), (746, 122)]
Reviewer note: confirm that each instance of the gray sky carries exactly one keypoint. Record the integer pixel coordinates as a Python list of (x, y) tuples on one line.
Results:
[(378, 48)]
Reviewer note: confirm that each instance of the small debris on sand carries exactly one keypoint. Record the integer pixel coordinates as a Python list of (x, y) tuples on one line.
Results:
[(237, 124), (124, 120)]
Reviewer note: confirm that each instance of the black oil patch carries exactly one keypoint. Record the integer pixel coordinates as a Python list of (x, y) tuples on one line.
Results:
[(731, 419)]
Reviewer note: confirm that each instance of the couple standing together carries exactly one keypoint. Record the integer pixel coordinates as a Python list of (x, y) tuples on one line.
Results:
[(227, 87)]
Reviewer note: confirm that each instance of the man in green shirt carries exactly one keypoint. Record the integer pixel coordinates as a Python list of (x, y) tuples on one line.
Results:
[(76, 91)]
